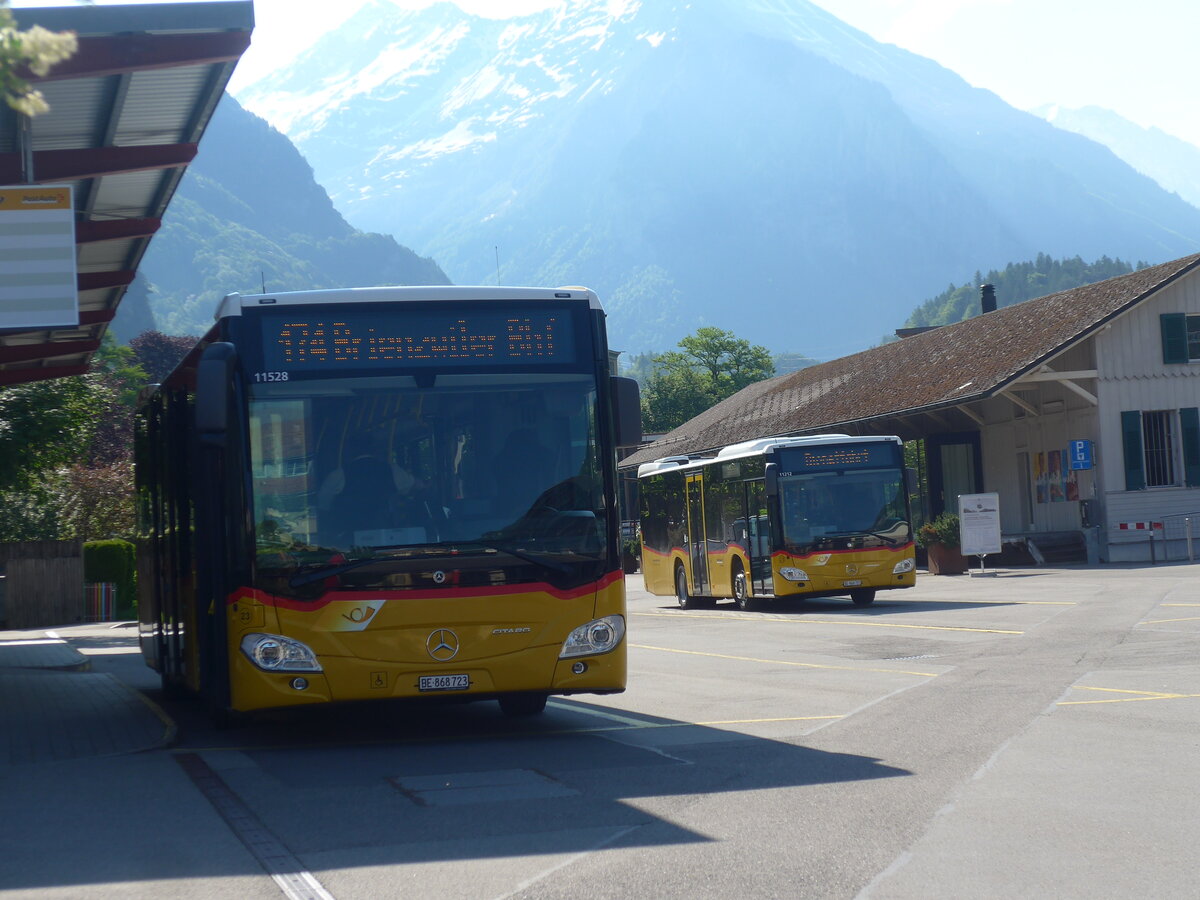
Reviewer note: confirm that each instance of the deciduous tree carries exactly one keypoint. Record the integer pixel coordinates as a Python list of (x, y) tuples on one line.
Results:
[(710, 365), (34, 50)]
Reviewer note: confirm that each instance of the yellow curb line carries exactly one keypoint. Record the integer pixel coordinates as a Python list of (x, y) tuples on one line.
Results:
[(1141, 695)]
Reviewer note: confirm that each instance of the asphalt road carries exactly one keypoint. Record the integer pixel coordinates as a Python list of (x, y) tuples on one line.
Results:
[(1029, 734)]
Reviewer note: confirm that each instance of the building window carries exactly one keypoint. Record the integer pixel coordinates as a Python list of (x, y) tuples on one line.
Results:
[(1180, 338), (1161, 448), (1158, 447), (1193, 337)]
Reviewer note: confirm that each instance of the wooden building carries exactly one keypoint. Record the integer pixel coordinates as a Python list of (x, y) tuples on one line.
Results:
[(1079, 408)]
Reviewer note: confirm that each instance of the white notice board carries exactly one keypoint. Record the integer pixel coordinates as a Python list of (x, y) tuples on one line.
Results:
[(38, 287), (979, 524)]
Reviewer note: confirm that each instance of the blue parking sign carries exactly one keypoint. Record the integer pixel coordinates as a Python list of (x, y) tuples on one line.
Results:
[(1081, 454)]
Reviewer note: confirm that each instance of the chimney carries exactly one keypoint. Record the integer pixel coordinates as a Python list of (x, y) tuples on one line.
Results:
[(987, 298)]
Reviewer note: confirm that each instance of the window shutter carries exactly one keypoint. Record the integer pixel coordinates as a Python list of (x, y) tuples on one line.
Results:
[(1131, 440), (1189, 421), (1174, 337)]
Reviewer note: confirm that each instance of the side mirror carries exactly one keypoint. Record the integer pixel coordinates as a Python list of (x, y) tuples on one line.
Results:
[(627, 411), (772, 479), (214, 378), (911, 481)]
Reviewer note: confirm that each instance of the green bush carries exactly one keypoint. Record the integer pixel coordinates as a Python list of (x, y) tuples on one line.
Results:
[(942, 530), (113, 561)]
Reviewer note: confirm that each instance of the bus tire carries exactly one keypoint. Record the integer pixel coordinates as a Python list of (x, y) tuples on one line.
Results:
[(522, 704), (225, 719), (171, 689), (864, 597), (682, 597), (742, 595)]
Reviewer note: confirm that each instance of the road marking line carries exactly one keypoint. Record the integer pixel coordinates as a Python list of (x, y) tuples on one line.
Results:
[(1141, 695), (806, 621), (1180, 604), (289, 875), (601, 714), (1164, 621), (642, 724), (784, 662)]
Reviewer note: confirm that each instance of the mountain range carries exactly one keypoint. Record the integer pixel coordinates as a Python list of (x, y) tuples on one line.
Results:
[(1172, 162), (757, 165), (249, 216)]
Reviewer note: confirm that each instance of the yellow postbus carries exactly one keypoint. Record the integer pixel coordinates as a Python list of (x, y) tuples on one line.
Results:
[(387, 492), (820, 516)]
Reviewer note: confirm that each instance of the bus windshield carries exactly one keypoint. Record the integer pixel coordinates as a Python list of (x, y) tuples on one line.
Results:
[(836, 510), (377, 476)]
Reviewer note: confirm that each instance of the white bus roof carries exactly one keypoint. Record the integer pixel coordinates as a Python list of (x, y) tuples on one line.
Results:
[(756, 448), (234, 304)]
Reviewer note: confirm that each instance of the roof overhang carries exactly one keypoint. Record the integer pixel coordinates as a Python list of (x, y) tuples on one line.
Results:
[(126, 115)]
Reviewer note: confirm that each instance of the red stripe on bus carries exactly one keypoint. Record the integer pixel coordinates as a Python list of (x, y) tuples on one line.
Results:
[(436, 594), (784, 553)]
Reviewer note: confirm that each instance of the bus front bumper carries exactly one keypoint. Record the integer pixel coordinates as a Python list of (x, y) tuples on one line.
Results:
[(349, 679)]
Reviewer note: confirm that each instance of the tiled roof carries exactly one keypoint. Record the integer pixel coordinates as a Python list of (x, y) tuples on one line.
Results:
[(944, 367)]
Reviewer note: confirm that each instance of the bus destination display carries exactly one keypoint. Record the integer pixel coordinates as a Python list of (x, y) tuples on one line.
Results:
[(295, 341), (836, 458)]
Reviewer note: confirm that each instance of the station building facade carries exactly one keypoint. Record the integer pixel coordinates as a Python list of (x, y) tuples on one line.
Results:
[(1081, 409)]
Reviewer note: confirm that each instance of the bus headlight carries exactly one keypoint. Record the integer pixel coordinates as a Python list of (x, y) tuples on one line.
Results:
[(598, 636), (793, 574), (275, 653), (905, 565)]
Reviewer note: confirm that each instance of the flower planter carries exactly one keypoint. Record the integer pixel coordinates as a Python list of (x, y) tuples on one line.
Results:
[(945, 560)]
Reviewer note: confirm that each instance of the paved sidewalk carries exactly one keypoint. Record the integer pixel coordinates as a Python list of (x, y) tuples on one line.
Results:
[(53, 708)]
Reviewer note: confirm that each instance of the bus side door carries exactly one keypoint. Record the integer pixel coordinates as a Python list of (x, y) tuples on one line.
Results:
[(759, 541), (697, 546)]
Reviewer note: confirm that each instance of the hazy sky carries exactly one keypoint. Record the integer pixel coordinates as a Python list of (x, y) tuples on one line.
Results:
[(1136, 58)]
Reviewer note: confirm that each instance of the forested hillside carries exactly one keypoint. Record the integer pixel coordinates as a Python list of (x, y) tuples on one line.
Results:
[(249, 214), (1015, 283), (757, 167)]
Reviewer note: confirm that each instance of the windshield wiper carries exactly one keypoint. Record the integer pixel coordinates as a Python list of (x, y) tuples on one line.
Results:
[(891, 541), (328, 571), (553, 565), (439, 549)]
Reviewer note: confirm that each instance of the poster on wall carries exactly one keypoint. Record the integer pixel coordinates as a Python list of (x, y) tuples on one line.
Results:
[(1053, 477), (1054, 462), (1072, 484)]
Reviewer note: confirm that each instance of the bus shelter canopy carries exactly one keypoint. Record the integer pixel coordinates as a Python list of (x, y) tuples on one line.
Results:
[(127, 112)]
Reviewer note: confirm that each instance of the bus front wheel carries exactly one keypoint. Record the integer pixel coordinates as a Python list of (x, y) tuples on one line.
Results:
[(522, 704), (685, 600), (742, 596), (864, 597)]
